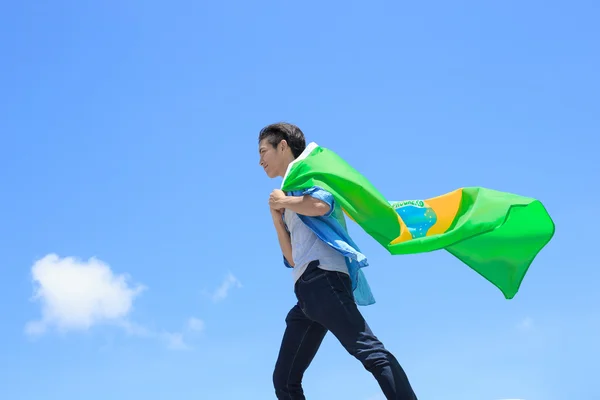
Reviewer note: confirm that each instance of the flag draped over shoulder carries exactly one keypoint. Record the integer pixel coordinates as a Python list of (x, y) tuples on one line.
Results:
[(495, 233)]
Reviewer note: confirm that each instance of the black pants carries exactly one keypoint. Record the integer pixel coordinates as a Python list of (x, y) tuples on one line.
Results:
[(325, 303)]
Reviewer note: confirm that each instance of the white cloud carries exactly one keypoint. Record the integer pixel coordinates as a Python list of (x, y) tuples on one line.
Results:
[(76, 294), (223, 291)]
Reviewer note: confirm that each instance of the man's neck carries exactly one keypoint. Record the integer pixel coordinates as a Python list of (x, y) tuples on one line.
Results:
[(286, 166)]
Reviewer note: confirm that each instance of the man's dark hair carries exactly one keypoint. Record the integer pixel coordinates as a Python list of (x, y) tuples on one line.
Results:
[(275, 133)]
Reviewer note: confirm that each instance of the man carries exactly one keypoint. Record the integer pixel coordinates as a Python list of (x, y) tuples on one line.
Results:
[(321, 280)]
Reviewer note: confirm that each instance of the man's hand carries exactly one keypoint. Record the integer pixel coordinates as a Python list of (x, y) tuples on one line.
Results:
[(276, 199)]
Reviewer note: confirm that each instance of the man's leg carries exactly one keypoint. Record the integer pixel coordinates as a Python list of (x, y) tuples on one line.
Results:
[(329, 300), (301, 340)]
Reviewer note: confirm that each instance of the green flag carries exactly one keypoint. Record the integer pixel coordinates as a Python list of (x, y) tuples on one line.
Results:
[(495, 233)]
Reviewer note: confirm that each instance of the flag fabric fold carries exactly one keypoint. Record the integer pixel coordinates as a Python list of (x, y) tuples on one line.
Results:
[(497, 234)]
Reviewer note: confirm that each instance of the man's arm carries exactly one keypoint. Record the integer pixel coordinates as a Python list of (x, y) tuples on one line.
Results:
[(305, 205), (283, 236)]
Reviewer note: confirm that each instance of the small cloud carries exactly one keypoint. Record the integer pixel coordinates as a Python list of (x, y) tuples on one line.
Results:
[(525, 325), (35, 328), (195, 324), (175, 341), (223, 291), (134, 329), (76, 294)]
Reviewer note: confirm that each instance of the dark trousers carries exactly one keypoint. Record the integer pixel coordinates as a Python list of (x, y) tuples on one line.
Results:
[(326, 303)]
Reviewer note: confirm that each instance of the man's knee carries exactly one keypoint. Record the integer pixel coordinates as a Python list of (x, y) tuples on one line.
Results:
[(286, 387), (372, 354), (280, 381)]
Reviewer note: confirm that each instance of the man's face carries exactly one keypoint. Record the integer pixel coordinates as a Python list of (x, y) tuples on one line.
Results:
[(271, 158)]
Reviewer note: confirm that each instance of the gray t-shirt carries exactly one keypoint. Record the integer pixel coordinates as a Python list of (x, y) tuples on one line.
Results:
[(307, 247)]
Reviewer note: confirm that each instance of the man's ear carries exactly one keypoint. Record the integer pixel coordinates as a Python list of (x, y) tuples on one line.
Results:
[(283, 145)]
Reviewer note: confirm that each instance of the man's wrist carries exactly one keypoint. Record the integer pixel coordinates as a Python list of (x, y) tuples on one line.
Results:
[(277, 216)]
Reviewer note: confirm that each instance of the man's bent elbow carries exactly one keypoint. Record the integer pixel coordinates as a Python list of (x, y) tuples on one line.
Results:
[(312, 207), (322, 208)]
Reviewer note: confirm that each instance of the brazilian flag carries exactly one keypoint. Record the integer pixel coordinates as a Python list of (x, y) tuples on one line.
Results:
[(495, 233)]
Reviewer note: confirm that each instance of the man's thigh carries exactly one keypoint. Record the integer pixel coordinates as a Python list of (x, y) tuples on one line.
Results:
[(329, 301), (301, 341)]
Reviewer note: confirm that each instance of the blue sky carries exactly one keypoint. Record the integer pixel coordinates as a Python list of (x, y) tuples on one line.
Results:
[(130, 179)]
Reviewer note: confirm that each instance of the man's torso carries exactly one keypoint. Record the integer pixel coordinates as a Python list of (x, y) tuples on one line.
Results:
[(307, 247)]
